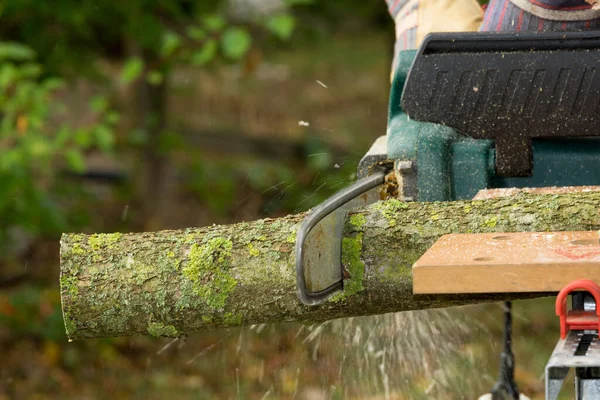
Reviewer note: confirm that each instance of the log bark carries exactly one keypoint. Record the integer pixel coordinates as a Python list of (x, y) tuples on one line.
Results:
[(170, 283)]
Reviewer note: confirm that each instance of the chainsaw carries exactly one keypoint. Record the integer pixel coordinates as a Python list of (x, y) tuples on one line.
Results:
[(470, 112)]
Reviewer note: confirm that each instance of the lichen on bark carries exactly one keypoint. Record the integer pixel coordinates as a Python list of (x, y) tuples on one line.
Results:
[(207, 272), (157, 329), (182, 281)]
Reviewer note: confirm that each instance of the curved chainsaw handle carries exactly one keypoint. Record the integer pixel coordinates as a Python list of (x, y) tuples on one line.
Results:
[(314, 217)]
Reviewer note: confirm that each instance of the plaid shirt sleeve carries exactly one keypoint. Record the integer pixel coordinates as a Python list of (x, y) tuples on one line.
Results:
[(540, 15), (404, 13)]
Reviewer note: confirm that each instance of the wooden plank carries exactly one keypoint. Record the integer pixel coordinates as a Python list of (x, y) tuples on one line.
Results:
[(507, 262)]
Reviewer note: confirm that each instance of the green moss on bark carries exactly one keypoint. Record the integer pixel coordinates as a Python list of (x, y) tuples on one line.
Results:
[(253, 250), (291, 238), (231, 318), (70, 326), (157, 329), (68, 285), (77, 250), (354, 268), (390, 208), (358, 220), (103, 240), (491, 222), (351, 250), (207, 271)]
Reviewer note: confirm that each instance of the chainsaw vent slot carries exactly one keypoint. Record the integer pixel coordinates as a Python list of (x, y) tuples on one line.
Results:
[(584, 345)]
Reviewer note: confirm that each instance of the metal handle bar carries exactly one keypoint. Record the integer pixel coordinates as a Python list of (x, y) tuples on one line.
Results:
[(316, 215)]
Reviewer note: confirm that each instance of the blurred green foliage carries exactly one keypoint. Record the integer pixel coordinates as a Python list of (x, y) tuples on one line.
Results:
[(66, 38), (34, 143), (33, 311), (69, 36)]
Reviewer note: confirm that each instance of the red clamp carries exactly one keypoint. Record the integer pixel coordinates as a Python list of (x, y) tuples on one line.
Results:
[(578, 319)]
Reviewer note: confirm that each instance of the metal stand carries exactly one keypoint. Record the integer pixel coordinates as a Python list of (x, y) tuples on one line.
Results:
[(579, 350), (506, 388)]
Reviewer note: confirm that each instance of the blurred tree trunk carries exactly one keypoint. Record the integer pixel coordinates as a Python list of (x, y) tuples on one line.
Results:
[(173, 282), (149, 108)]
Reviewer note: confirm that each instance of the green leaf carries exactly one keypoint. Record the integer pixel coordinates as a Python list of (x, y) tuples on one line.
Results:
[(75, 160), (82, 138), (235, 43), (11, 159), (52, 84), (282, 25), (154, 77), (171, 42), (99, 104), (213, 23), (15, 52), (205, 54), (62, 136), (8, 75), (195, 33), (39, 147), (132, 70), (113, 118), (104, 138), (29, 70)]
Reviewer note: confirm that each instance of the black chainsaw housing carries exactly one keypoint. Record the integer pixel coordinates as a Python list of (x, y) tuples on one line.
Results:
[(508, 87)]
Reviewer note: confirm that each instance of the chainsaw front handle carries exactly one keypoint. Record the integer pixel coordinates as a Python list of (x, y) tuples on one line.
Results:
[(314, 217)]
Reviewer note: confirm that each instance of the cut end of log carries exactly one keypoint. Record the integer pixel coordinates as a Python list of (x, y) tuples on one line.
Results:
[(67, 285)]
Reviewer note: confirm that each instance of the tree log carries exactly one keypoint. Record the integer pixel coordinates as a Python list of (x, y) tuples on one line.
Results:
[(170, 283)]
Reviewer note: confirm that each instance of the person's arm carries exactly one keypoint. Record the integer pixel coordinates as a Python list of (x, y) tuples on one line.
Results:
[(415, 19)]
